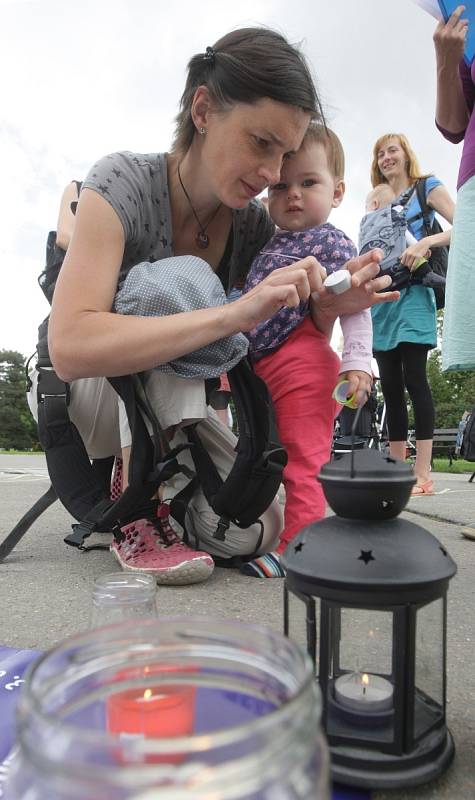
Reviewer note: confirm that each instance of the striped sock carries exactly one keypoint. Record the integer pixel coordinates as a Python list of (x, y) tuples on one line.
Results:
[(266, 566)]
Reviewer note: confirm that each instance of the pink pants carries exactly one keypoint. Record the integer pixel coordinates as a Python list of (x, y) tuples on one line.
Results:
[(301, 376)]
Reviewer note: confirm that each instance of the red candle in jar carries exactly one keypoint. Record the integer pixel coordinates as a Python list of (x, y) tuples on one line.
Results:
[(155, 712)]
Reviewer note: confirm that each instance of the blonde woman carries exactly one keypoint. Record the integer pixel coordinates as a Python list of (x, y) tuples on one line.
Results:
[(405, 331)]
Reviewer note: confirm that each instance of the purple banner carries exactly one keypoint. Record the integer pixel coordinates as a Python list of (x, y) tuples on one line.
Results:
[(13, 664)]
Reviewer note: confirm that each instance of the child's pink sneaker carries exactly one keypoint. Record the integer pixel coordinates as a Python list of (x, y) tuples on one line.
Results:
[(154, 547)]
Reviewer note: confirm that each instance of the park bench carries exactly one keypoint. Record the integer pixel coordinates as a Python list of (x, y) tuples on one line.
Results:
[(444, 443), (445, 440)]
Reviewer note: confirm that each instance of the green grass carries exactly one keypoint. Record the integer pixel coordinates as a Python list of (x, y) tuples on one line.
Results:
[(458, 467), (21, 452)]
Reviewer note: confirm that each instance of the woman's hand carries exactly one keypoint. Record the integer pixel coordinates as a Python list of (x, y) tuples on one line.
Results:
[(366, 291), (360, 384), (449, 38), (413, 254), (451, 111), (287, 286)]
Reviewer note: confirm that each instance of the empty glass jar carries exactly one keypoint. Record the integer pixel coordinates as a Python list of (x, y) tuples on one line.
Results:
[(118, 596), (179, 709)]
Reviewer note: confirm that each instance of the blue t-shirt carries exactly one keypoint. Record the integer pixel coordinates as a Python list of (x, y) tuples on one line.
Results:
[(413, 317)]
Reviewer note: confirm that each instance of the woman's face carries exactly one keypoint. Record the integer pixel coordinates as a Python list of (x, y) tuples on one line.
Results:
[(244, 148), (392, 160)]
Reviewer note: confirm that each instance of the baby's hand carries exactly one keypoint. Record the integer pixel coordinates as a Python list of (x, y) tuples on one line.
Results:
[(360, 384)]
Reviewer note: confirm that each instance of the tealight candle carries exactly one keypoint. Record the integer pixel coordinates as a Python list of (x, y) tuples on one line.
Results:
[(358, 691), (154, 712)]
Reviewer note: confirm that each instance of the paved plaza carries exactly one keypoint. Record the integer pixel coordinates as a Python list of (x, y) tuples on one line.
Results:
[(45, 595)]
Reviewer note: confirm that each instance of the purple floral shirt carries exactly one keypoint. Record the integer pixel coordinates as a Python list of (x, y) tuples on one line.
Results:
[(333, 249)]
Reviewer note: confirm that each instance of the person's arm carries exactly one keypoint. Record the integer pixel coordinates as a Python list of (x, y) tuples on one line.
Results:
[(86, 339), (440, 200), (357, 354), (452, 111), (66, 219)]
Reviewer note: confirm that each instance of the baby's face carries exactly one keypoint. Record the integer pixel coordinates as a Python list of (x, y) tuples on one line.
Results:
[(307, 190)]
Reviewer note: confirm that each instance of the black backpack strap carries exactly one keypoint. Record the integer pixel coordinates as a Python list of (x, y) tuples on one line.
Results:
[(76, 480), (256, 474), (257, 471), (425, 209)]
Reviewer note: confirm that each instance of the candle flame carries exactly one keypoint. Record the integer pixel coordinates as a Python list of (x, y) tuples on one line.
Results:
[(147, 694), (364, 679)]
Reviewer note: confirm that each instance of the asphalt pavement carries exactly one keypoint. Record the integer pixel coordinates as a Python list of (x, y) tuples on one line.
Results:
[(46, 588)]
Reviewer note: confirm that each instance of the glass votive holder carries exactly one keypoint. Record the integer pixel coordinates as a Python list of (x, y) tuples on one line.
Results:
[(119, 596), (171, 709)]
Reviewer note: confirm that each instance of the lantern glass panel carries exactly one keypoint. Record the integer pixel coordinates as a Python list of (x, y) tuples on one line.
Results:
[(360, 687), (365, 641), (429, 673)]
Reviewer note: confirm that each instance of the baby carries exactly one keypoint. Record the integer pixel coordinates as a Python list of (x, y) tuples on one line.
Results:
[(288, 351), (380, 197)]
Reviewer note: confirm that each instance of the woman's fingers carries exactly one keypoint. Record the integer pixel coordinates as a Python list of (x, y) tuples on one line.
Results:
[(263, 302), (454, 20), (306, 275), (450, 36)]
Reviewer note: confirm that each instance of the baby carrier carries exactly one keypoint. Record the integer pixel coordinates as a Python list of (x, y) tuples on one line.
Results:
[(387, 229), (83, 486)]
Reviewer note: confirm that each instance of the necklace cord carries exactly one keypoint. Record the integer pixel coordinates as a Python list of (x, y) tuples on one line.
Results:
[(202, 238)]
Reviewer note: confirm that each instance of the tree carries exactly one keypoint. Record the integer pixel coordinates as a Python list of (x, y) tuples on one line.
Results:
[(17, 427), (453, 392)]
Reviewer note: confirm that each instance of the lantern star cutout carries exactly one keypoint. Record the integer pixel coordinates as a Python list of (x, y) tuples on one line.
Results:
[(366, 556)]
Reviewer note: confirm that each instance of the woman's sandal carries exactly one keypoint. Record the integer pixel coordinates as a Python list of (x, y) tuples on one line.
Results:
[(423, 488)]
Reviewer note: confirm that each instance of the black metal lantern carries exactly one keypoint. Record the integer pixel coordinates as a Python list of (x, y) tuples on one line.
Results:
[(378, 638)]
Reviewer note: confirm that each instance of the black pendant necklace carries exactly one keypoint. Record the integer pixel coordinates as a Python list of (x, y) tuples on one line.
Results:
[(201, 238)]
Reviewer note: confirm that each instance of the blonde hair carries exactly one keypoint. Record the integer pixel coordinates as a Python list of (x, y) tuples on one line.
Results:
[(412, 165), (333, 147), (380, 192)]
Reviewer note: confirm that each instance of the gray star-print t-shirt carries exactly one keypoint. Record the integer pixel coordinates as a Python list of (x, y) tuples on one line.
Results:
[(136, 186)]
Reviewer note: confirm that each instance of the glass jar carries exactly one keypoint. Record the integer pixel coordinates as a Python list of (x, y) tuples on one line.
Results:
[(118, 596), (179, 709)]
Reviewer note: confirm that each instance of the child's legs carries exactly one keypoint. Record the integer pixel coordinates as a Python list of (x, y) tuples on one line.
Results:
[(301, 376)]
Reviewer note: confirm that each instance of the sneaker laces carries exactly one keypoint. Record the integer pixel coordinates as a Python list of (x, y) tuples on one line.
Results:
[(162, 528)]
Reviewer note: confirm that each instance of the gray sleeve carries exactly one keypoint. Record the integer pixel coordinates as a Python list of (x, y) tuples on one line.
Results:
[(119, 178)]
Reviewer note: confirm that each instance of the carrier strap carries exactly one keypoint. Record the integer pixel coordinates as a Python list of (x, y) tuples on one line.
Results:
[(76, 481)]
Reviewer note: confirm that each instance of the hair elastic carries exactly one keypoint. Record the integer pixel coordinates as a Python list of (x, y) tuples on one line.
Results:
[(209, 55)]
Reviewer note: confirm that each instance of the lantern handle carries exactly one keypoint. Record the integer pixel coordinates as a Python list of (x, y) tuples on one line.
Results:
[(353, 436)]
